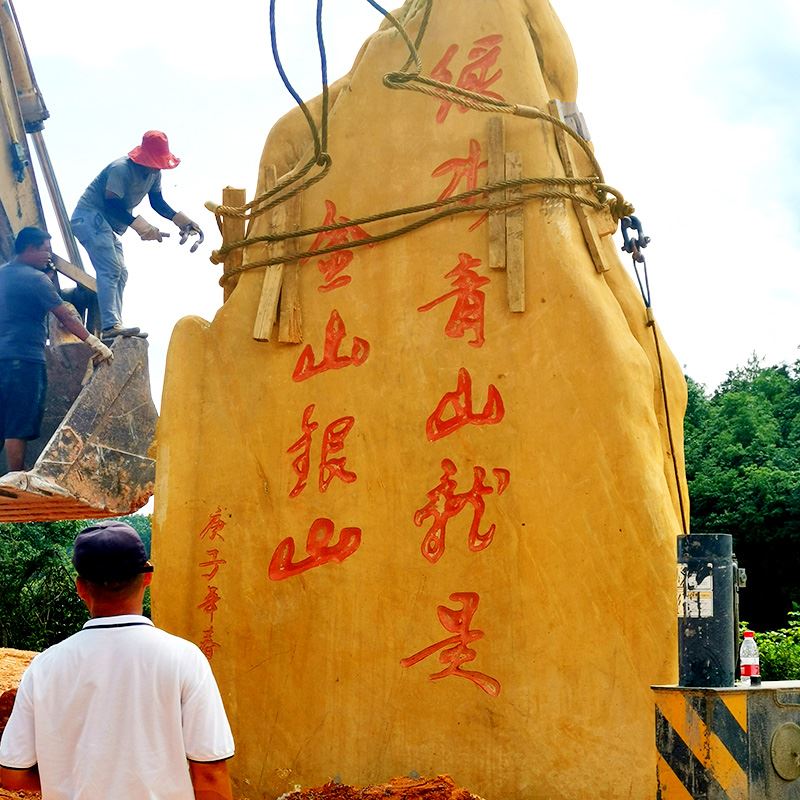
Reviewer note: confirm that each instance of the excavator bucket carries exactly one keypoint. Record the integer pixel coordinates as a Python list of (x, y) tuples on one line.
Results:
[(91, 460)]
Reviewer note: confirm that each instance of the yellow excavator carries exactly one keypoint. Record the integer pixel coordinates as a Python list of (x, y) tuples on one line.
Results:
[(92, 459)]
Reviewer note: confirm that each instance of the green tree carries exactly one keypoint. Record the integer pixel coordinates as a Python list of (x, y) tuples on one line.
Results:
[(38, 603), (743, 469), (779, 651)]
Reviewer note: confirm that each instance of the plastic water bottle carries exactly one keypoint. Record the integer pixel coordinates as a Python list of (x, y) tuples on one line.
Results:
[(749, 667)]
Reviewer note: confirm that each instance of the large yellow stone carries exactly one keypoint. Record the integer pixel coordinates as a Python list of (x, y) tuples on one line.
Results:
[(332, 641)]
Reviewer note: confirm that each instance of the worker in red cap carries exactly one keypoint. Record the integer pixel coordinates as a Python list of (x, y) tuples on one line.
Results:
[(104, 211)]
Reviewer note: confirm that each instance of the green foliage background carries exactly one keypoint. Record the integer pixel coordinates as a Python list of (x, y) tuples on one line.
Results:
[(38, 603), (779, 651), (743, 468)]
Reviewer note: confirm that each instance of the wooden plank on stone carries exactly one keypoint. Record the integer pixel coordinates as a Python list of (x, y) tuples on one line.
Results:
[(496, 143), (588, 218), (290, 327), (232, 231), (515, 239), (267, 312)]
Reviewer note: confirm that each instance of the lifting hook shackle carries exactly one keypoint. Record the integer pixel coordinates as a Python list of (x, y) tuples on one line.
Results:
[(633, 245)]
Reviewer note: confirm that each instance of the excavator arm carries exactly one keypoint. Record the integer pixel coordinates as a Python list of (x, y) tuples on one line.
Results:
[(92, 457)]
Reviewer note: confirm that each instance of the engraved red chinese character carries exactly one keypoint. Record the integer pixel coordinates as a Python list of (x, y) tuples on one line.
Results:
[(331, 465), (503, 479), (459, 403), (319, 548), (332, 265), (468, 310), (302, 446), (214, 562), (444, 503), (214, 526), (210, 602), (207, 644), (466, 170), (331, 359), (456, 650), (474, 76)]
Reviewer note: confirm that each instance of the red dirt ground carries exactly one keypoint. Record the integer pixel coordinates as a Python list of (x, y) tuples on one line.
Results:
[(442, 787), (12, 665)]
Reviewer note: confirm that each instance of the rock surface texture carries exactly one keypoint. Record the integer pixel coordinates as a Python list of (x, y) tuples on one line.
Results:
[(437, 535)]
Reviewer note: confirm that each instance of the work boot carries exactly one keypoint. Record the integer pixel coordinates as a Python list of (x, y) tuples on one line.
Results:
[(121, 330)]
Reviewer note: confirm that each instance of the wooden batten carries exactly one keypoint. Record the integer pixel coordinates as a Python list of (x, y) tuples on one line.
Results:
[(515, 239), (594, 224), (267, 311), (290, 326), (496, 142), (281, 282), (232, 231)]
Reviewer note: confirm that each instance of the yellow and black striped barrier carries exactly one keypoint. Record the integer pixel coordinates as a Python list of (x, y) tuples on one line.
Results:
[(728, 744)]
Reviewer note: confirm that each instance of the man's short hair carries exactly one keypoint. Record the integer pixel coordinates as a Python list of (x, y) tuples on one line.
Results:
[(30, 237), (110, 553), (115, 590)]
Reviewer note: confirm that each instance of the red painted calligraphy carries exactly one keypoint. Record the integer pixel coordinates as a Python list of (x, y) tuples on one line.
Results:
[(214, 526), (319, 548), (456, 650), (302, 463), (207, 644), (210, 602), (332, 265), (215, 562), (459, 403), (331, 465), (466, 170), (474, 76), (468, 311), (444, 503), (330, 268), (331, 359), (503, 479)]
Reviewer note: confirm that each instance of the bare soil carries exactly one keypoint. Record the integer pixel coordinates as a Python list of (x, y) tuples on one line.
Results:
[(442, 787), (12, 665)]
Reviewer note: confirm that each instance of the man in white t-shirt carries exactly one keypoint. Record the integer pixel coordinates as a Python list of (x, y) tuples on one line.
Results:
[(120, 710)]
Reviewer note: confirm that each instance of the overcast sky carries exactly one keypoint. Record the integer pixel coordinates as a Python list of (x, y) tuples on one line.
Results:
[(693, 106)]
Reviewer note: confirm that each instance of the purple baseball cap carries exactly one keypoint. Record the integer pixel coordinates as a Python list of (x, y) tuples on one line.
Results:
[(109, 551)]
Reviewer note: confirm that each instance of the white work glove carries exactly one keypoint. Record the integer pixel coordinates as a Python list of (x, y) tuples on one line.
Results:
[(188, 228), (101, 351), (146, 231)]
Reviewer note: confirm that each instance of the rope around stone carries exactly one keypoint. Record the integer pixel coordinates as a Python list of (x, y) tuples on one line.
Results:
[(382, 237), (412, 81), (218, 256)]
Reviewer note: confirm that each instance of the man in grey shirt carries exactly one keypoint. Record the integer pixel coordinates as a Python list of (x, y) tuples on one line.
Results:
[(26, 296), (104, 211)]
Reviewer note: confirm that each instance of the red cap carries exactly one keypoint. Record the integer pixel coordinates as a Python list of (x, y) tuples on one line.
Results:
[(749, 633), (154, 152)]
